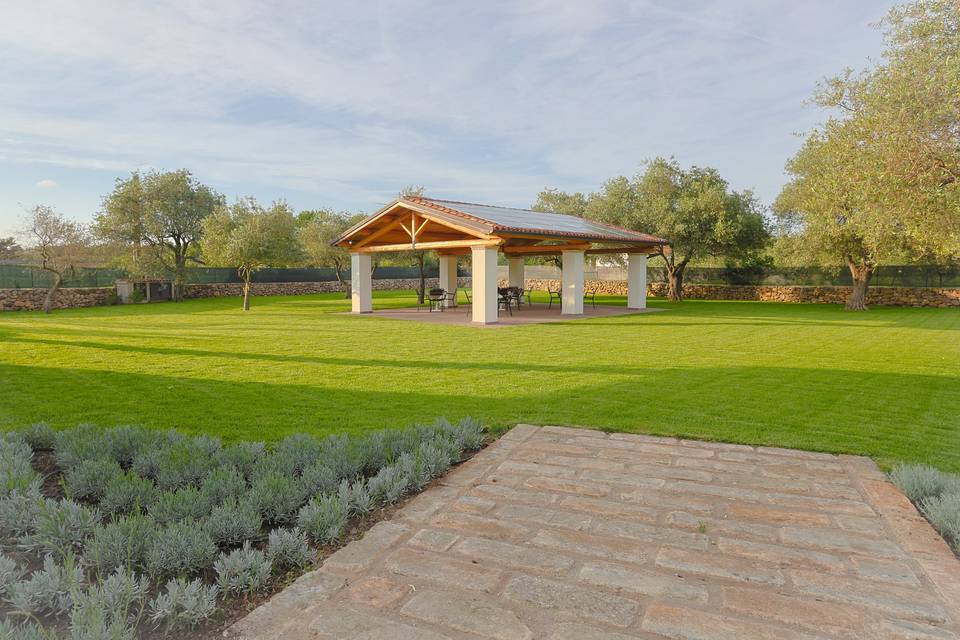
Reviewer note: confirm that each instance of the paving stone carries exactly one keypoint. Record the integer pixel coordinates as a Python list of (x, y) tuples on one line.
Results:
[(885, 570), (467, 474), (433, 540), (519, 432), (641, 437), (690, 624), (442, 569), (826, 505), (620, 477), (553, 447), (716, 446), (867, 526), (667, 471), (536, 469), (776, 516), (783, 556), (798, 453), (909, 603), (811, 614), (592, 545), (544, 515), (573, 432), (572, 462), (904, 630), (670, 500), (284, 608), (651, 533), (714, 526), (483, 552), (470, 613), (719, 566), (632, 456), (472, 504), (360, 554), (835, 540), (342, 623), (640, 582), (377, 592), (573, 600), (575, 631), (603, 507), (514, 494), (562, 485), (481, 526)]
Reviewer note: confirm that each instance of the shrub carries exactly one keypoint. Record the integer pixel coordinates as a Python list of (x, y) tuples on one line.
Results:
[(243, 456), (10, 572), (125, 443), (61, 527), (222, 484), (127, 493), (87, 480), (184, 504), (234, 522), (243, 570), (288, 549), (92, 619), (16, 470), (317, 479), (183, 604), (19, 511), (919, 481), (323, 519), (49, 590), (277, 498), (121, 543), (186, 463), (436, 457), (414, 470), (24, 631), (73, 446), (468, 434), (147, 462), (180, 549), (355, 497), (124, 591), (298, 451), (40, 436), (943, 512), (388, 485)]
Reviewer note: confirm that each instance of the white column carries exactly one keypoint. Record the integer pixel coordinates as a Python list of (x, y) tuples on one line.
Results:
[(448, 277), (484, 275), (637, 281), (361, 282), (571, 300), (515, 266)]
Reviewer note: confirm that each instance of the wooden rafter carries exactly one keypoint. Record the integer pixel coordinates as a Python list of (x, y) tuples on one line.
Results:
[(442, 244)]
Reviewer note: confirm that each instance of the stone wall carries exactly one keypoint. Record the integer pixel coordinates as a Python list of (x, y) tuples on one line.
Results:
[(32, 299)]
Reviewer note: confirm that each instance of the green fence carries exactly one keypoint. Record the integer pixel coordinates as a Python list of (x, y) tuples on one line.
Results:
[(886, 276), (16, 276)]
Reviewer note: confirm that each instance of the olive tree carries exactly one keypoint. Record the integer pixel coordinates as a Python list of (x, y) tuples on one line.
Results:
[(879, 180), (56, 245), (318, 228), (250, 237)]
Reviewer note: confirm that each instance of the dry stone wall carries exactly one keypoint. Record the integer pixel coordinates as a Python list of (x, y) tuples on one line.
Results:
[(32, 299)]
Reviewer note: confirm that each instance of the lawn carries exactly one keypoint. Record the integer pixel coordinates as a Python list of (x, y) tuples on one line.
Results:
[(885, 383)]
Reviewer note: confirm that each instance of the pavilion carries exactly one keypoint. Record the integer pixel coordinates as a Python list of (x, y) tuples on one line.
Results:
[(454, 229)]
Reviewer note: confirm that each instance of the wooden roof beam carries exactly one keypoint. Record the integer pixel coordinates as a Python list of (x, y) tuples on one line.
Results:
[(425, 246)]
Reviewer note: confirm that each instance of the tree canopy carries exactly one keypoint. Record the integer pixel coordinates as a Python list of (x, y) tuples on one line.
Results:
[(317, 229), (57, 245), (879, 180)]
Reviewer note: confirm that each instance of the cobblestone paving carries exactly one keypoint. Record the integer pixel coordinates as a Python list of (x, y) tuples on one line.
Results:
[(568, 534)]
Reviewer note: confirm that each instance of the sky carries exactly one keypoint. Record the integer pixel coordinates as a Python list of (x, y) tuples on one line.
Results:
[(341, 104)]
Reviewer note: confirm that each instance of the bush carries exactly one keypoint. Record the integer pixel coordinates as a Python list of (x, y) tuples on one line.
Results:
[(124, 592), (74, 446), (243, 570), (298, 451), (277, 498), (183, 604), (40, 436), (10, 572), (186, 463), (414, 470), (127, 493), (920, 481), (234, 522), (147, 462), (109, 610), (121, 543), (388, 485), (317, 479), (19, 511), (222, 484), (180, 549), (355, 497), (49, 590), (24, 631), (323, 519), (243, 457), (87, 480), (184, 504), (288, 549), (125, 443), (943, 512), (61, 527), (16, 470)]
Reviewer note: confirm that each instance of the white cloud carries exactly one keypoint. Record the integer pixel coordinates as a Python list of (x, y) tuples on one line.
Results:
[(46, 184)]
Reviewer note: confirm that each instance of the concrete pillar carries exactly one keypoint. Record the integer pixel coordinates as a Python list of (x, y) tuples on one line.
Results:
[(515, 266), (448, 277), (361, 282), (484, 274), (637, 281), (571, 297)]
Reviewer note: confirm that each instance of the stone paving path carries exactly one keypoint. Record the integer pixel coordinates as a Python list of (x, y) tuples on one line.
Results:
[(569, 534)]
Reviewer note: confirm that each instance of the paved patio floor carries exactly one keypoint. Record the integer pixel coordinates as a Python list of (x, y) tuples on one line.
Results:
[(568, 534), (538, 313)]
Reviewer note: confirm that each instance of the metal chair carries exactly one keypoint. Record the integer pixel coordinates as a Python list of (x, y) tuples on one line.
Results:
[(553, 295), (591, 295), (437, 297), (505, 300)]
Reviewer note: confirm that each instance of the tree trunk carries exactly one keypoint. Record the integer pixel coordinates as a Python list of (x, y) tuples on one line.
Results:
[(343, 285), (422, 292), (246, 293), (675, 280), (52, 291), (857, 300)]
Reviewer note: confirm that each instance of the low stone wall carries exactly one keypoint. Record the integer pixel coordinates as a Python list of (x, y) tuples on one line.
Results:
[(216, 290), (894, 296), (32, 299)]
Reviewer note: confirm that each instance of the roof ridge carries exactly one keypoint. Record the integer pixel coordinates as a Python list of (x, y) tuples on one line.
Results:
[(492, 206)]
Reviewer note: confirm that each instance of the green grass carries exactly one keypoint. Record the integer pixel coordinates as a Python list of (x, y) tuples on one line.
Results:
[(885, 383)]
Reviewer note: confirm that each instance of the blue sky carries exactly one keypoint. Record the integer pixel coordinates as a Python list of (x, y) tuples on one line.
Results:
[(340, 104)]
